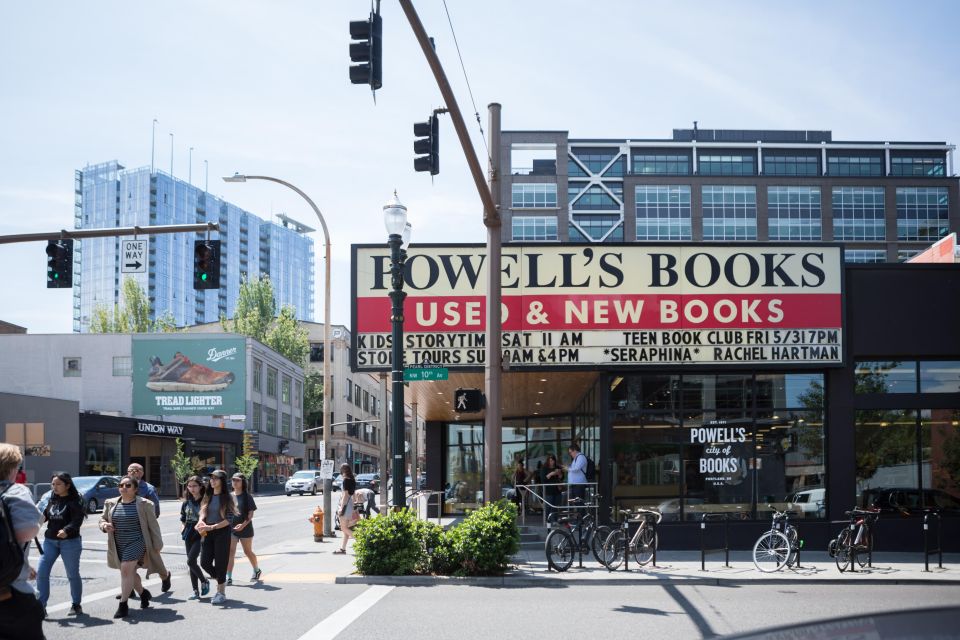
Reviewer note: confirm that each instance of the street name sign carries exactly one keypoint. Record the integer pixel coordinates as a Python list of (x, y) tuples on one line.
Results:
[(424, 374), (133, 256)]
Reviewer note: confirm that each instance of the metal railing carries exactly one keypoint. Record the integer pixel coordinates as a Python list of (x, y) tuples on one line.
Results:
[(423, 496), (725, 549), (530, 491)]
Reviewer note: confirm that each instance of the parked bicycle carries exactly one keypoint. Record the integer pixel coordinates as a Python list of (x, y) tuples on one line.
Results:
[(778, 547), (642, 545), (571, 534), (855, 542)]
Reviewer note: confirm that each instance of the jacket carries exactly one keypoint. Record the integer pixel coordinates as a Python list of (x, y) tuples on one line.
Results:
[(149, 528)]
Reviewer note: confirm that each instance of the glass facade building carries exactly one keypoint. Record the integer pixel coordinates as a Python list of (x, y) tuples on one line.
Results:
[(107, 195)]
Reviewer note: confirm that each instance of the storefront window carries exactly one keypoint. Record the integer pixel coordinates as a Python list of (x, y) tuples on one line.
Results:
[(101, 454), (940, 377), (464, 468), (213, 455), (885, 442), (940, 459), (886, 377)]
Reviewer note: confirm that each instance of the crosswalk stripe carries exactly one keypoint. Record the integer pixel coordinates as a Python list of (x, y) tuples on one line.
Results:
[(332, 625)]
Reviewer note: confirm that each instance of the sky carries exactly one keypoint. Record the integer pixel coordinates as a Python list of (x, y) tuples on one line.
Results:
[(262, 88)]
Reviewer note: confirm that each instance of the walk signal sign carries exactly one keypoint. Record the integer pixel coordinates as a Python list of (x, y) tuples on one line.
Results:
[(206, 264), (468, 401), (60, 264)]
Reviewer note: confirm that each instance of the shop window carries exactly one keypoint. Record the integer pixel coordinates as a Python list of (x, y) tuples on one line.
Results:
[(885, 451), (940, 460), (789, 464), (122, 366), (71, 367), (101, 454), (257, 375), (886, 377), (464, 468), (940, 377), (271, 382)]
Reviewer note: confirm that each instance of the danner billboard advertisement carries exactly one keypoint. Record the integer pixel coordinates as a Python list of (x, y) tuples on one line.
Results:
[(617, 305), (197, 377)]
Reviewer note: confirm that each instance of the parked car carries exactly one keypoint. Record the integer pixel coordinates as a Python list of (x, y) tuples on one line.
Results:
[(306, 481), (336, 482), (671, 508), (93, 490), (369, 481), (810, 502), (908, 500)]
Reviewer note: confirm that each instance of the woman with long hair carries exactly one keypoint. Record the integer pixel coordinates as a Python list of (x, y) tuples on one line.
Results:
[(551, 475), (64, 515), (216, 513), (348, 517), (190, 516), (242, 529), (135, 540)]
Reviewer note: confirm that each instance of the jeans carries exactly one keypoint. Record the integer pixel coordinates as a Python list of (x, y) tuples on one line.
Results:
[(69, 549), (215, 553), (193, 543)]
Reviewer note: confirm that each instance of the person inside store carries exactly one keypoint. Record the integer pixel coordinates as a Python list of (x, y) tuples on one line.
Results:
[(64, 514), (551, 476)]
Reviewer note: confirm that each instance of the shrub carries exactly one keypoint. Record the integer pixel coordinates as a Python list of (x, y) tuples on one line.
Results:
[(388, 545), (483, 543)]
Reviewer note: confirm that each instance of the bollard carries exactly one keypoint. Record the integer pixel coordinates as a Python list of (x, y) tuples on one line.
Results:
[(927, 551)]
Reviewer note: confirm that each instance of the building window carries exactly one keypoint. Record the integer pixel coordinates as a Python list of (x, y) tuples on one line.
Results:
[(922, 213), (257, 417), (298, 394), (122, 366), (905, 254), (349, 390), (663, 212), (858, 213), (285, 390), (595, 228), (71, 367), (726, 165), (886, 377), (356, 396), (663, 165), (774, 165), (351, 427), (940, 377), (793, 213), (865, 256), (101, 454), (534, 196), (534, 229), (257, 375), (366, 401), (729, 213), (595, 161), (271, 420), (298, 430), (595, 197), (285, 425), (929, 167), (316, 352), (854, 166), (271, 382)]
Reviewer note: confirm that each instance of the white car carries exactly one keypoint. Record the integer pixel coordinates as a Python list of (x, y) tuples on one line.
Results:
[(307, 481), (810, 503)]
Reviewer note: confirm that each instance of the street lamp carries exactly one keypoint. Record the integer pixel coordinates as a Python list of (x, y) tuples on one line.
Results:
[(398, 230), (327, 346)]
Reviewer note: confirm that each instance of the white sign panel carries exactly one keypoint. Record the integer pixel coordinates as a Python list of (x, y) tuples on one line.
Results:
[(322, 450), (133, 256), (326, 470)]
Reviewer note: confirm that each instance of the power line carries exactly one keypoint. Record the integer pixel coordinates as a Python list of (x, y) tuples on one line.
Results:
[(476, 112)]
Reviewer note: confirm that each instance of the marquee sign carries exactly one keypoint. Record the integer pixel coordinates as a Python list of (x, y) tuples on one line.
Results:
[(607, 305)]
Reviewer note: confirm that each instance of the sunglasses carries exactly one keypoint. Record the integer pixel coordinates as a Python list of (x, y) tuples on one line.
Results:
[(126, 486)]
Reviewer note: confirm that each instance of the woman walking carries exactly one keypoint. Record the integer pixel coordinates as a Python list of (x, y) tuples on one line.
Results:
[(348, 517), (64, 515), (216, 512), (190, 516), (242, 530), (134, 541)]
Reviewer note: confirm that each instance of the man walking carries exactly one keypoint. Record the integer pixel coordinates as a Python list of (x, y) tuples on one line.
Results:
[(576, 473), (147, 490)]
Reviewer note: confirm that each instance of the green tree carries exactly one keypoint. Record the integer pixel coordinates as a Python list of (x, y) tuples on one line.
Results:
[(246, 465), (256, 316), (132, 316), (288, 337), (181, 465), (313, 399)]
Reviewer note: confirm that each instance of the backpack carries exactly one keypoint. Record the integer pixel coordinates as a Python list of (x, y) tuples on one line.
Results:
[(11, 554), (591, 469)]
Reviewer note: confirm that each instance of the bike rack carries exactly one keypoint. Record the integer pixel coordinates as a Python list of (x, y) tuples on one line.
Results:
[(652, 521), (726, 539), (927, 551)]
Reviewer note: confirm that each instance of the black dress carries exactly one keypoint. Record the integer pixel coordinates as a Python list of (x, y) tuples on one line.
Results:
[(245, 504)]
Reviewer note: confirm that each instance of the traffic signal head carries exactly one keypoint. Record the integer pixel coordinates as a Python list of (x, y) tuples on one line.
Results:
[(206, 264), (427, 142), (368, 51), (59, 264)]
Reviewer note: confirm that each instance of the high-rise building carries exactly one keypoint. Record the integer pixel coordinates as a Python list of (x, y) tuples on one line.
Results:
[(885, 200), (107, 195)]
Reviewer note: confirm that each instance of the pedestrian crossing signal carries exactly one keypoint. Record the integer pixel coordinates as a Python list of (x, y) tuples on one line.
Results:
[(468, 401)]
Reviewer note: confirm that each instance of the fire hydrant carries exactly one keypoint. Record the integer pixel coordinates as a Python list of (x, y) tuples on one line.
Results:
[(317, 520)]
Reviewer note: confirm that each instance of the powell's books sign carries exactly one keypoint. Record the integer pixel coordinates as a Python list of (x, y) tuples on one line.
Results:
[(611, 305)]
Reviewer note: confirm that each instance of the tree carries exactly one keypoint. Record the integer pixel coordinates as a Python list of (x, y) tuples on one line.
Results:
[(255, 316), (288, 337), (246, 464), (313, 399), (181, 465), (132, 316)]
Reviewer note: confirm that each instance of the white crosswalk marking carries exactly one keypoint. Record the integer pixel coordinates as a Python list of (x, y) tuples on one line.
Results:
[(332, 625)]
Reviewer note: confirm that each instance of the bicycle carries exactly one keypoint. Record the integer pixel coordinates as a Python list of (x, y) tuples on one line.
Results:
[(778, 547), (561, 544), (855, 542), (643, 544)]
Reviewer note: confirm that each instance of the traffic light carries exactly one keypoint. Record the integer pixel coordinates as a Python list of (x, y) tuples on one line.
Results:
[(206, 264), (368, 51), (427, 142), (59, 264)]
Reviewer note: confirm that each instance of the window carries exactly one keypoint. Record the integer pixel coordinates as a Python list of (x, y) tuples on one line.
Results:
[(793, 165), (349, 390), (596, 227), (257, 375), (356, 395), (364, 429), (71, 367), (726, 165), (940, 377), (922, 213), (729, 213), (351, 426), (886, 377), (596, 159), (298, 394), (257, 417), (285, 425), (534, 196), (885, 453), (366, 401), (793, 213), (298, 430), (665, 165), (905, 254), (285, 390), (595, 197), (101, 454), (865, 256), (663, 212), (122, 366), (907, 166), (271, 382), (534, 228), (271, 415), (316, 352), (854, 166), (858, 213)]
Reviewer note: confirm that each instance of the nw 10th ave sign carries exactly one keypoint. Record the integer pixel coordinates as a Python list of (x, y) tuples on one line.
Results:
[(622, 305)]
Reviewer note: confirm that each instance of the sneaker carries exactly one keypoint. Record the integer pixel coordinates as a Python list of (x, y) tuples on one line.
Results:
[(75, 610), (229, 579), (218, 598), (205, 588), (182, 375), (145, 599), (195, 596), (165, 583), (256, 575)]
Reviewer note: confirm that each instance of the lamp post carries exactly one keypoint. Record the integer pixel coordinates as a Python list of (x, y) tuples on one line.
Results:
[(395, 219), (327, 346)]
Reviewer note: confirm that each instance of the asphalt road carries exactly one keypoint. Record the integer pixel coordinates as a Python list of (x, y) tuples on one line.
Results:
[(297, 598)]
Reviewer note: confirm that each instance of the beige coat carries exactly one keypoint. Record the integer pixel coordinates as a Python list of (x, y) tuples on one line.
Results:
[(149, 527)]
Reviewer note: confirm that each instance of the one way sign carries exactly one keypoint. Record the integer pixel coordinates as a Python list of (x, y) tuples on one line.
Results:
[(133, 256)]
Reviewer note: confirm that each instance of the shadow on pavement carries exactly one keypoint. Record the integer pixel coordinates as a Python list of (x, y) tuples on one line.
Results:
[(624, 608), (151, 615), (706, 631), (235, 604), (80, 621)]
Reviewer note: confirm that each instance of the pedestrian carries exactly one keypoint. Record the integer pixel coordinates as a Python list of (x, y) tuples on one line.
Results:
[(64, 514), (21, 476), (192, 540), (216, 512), (134, 541), (147, 490), (368, 499), (551, 476), (519, 479), (576, 473), (348, 516), (21, 614), (242, 529)]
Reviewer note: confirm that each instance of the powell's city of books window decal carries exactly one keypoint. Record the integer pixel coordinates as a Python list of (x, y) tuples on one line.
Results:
[(622, 305)]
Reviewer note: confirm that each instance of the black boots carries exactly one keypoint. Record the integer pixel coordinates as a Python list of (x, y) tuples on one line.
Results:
[(122, 611), (145, 599)]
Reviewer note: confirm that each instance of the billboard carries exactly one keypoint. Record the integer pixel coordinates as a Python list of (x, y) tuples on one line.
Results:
[(607, 305), (190, 377)]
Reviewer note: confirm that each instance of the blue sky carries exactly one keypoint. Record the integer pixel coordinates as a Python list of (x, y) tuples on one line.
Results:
[(262, 88)]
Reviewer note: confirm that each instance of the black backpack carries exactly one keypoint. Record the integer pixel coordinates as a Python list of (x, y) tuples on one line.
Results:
[(591, 470), (11, 553)]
